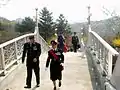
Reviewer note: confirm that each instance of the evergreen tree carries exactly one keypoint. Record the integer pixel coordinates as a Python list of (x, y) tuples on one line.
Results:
[(46, 24), (62, 25)]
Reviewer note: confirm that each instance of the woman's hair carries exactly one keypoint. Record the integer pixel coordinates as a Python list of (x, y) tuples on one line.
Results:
[(53, 42)]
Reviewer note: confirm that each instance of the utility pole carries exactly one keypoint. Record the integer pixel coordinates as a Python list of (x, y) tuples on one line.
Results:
[(36, 17), (89, 15), (89, 27), (36, 27)]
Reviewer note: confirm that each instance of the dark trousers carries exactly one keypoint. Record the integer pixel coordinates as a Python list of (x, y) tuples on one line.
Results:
[(75, 47), (29, 74)]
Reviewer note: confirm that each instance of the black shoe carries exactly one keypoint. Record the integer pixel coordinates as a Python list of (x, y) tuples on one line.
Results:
[(38, 85), (55, 88), (59, 84), (27, 87)]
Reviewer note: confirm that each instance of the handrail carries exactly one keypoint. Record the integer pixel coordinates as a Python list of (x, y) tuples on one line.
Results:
[(7, 59), (111, 49), (15, 39), (104, 57), (11, 51)]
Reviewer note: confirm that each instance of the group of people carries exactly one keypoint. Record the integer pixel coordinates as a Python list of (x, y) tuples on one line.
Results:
[(63, 46), (55, 59)]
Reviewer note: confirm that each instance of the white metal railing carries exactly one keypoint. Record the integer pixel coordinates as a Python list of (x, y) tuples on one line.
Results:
[(103, 53), (11, 51)]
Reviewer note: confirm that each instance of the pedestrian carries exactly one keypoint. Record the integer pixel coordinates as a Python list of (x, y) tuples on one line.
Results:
[(61, 41), (65, 48), (33, 51), (75, 42), (56, 60)]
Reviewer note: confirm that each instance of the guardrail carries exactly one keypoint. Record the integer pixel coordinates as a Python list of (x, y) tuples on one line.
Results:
[(103, 54), (11, 51)]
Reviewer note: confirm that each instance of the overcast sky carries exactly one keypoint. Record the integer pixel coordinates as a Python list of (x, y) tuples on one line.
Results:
[(73, 10)]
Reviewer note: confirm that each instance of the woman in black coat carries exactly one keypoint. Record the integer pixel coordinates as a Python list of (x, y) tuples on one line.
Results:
[(55, 58)]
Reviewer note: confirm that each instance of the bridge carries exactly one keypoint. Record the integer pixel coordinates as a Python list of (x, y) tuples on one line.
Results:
[(93, 67)]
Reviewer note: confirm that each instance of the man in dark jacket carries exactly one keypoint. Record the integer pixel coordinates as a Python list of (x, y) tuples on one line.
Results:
[(33, 51), (75, 42)]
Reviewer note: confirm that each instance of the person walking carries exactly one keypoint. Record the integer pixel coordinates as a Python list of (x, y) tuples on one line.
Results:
[(75, 42), (61, 41), (56, 57), (33, 51)]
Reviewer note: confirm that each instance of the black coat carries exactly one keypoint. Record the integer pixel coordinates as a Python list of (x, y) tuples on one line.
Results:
[(61, 42), (32, 51), (75, 40), (55, 69)]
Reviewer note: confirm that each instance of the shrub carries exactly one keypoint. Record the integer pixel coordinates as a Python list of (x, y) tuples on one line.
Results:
[(116, 42)]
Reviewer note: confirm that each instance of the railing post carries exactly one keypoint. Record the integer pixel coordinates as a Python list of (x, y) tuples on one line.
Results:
[(109, 64), (97, 48), (16, 52), (0, 59), (3, 61), (99, 51), (41, 42), (25, 39), (94, 43), (36, 34), (89, 37), (102, 52)]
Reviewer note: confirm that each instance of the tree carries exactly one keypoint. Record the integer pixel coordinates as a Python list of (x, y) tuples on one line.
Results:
[(67, 31), (0, 26), (46, 24), (27, 25), (62, 25)]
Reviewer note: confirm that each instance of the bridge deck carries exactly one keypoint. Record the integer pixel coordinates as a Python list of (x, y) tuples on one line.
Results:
[(75, 76)]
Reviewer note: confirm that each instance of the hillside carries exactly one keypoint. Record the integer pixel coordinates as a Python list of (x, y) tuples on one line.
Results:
[(105, 28), (108, 27), (7, 30)]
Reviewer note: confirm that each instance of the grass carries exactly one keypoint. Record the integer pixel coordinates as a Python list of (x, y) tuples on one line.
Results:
[(5, 36), (52, 38)]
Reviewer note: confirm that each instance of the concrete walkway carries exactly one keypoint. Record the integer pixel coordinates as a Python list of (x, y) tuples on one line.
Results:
[(75, 75)]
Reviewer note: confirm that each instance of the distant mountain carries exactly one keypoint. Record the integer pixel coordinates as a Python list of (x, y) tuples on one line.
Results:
[(78, 26), (108, 27)]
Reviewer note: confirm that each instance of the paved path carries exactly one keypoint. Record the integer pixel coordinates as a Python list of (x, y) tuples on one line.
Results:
[(75, 76)]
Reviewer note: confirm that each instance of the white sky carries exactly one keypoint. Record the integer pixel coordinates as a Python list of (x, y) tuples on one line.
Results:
[(73, 10)]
